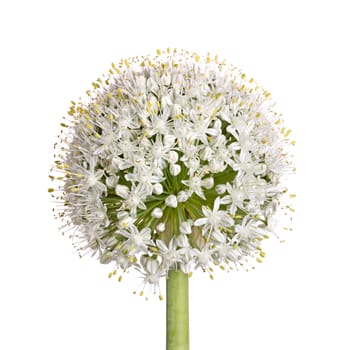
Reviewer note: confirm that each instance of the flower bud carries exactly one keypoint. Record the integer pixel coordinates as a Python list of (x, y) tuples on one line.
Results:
[(161, 227), (175, 169), (171, 201), (112, 181), (185, 228), (157, 213), (207, 183), (158, 188), (220, 189), (173, 157), (182, 196), (122, 191)]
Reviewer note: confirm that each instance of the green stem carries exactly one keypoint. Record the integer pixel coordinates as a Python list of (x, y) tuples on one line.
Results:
[(177, 320)]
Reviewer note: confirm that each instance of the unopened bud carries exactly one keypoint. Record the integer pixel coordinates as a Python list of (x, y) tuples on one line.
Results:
[(175, 169), (157, 213), (157, 188), (171, 201)]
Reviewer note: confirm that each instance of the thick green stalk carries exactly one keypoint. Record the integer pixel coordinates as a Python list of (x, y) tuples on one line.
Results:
[(177, 319)]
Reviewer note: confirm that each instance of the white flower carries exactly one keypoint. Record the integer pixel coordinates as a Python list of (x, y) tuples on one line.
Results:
[(202, 257), (174, 161), (152, 270), (137, 240), (235, 197), (213, 220), (170, 254)]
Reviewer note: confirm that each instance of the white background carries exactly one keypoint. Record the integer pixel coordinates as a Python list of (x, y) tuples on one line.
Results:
[(51, 51)]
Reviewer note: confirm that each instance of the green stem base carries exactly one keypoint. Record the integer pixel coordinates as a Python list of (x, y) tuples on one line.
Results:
[(177, 318)]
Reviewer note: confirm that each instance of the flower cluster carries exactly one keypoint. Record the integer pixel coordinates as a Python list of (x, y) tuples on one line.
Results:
[(174, 162)]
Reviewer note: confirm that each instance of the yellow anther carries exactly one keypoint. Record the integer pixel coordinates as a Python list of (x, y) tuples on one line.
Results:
[(241, 104), (161, 297), (75, 189), (258, 115), (120, 278), (79, 176), (159, 52), (292, 195), (243, 76), (211, 276), (208, 58), (120, 93), (197, 57), (141, 293), (287, 133), (259, 260), (50, 190), (110, 275), (114, 272), (262, 254)]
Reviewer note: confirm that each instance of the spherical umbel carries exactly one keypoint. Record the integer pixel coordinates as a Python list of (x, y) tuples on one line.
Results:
[(174, 162)]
